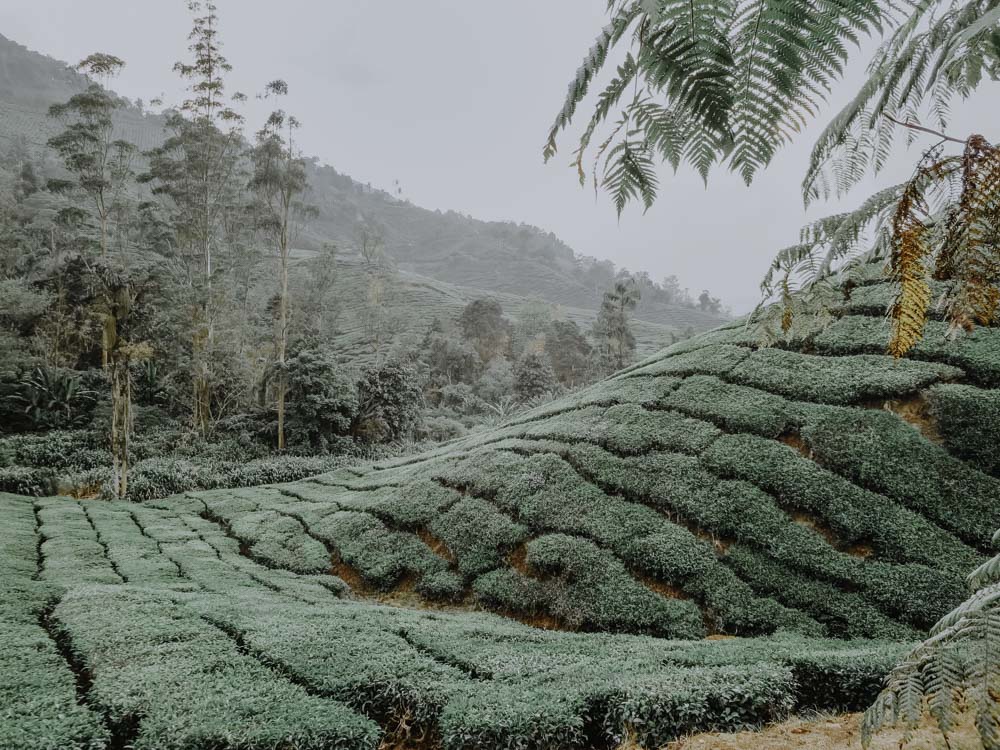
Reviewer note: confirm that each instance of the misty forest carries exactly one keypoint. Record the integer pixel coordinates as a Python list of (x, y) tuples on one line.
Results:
[(290, 462)]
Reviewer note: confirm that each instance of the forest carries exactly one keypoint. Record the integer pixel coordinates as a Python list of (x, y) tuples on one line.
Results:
[(352, 473), (173, 316)]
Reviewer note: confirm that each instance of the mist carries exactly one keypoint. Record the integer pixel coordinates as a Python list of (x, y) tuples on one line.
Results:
[(454, 99)]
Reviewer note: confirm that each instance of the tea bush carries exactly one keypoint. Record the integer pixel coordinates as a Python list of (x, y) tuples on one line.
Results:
[(968, 419)]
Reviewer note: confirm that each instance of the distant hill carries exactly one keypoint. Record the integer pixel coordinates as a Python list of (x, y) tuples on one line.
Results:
[(416, 300), (476, 257)]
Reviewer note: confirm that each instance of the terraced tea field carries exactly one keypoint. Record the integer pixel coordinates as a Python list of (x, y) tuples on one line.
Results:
[(710, 540), (153, 627)]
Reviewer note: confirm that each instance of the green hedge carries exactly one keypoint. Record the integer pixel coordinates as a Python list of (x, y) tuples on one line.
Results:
[(701, 700), (856, 516), (248, 657), (836, 380), (736, 408), (977, 353), (844, 614), (588, 588), (136, 557), (546, 494), (71, 552), (968, 419), (716, 359), (39, 709), (382, 556), (280, 541), (223, 698), (878, 450), (627, 428), (478, 535), (611, 392), (876, 299), (738, 511)]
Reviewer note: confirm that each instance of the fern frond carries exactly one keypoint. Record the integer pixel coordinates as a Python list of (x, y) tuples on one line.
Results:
[(743, 76), (957, 669), (934, 55), (910, 249), (592, 64), (630, 173)]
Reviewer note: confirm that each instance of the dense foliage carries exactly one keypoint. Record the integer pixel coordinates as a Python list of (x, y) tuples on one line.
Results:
[(260, 657)]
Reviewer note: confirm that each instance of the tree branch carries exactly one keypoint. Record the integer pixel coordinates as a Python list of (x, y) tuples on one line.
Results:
[(916, 126)]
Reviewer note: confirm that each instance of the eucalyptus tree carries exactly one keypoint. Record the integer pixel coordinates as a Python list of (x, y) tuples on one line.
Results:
[(727, 83), (612, 332), (278, 182), (87, 145), (99, 165), (198, 173)]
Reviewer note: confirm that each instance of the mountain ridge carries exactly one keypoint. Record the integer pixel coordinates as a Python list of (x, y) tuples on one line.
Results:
[(495, 257)]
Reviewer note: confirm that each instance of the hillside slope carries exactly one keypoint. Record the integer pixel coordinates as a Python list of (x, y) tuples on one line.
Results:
[(205, 648), (823, 490), (414, 301), (715, 488), (500, 258)]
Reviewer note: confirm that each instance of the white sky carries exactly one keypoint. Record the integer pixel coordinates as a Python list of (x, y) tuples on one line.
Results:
[(454, 98)]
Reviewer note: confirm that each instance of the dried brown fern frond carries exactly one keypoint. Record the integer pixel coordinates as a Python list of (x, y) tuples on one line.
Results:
[(974, 260), (968, 249), (910, 249)]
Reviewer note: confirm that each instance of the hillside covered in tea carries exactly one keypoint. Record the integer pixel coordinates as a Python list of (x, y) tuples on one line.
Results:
[(801, 498)]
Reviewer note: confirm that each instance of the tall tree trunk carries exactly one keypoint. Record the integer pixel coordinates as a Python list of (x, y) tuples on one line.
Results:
[(282, 338), (121, 422)]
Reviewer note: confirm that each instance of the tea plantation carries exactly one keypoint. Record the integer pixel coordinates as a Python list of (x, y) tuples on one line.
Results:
[(712, 539)]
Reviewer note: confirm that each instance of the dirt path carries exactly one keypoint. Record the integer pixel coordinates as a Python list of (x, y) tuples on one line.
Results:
[(826, 733)]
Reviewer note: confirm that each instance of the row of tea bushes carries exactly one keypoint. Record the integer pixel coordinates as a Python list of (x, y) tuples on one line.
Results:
[(207, 648), (39, 706)]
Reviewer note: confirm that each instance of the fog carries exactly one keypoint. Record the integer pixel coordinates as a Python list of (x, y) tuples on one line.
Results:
[(453, 98)]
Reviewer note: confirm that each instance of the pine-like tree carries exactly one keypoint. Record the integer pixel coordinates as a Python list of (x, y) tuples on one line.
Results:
[(196, 173), (278, 182), (612, 332)]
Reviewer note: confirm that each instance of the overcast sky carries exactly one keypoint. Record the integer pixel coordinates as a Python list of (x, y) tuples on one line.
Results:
[(453, 98)]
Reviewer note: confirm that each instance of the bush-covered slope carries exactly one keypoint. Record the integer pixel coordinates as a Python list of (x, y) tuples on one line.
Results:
[(813, 496), (152, 627), (822, 488)]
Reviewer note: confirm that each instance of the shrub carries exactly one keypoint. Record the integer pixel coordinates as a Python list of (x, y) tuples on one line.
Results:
[(714, 359), (382, 556), (278, 541), (735, 408), (845, 615), (322, 401), (836, 380), (37, 688), (124, 655), (389, 403), (440, 429), (22, 480), (235, 640), (589, 588), (477, 534), (533, 376), (879, 451), (54, 399), (161, 477), (855, 516), (968, 419), (56, 450), (977, 353)]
